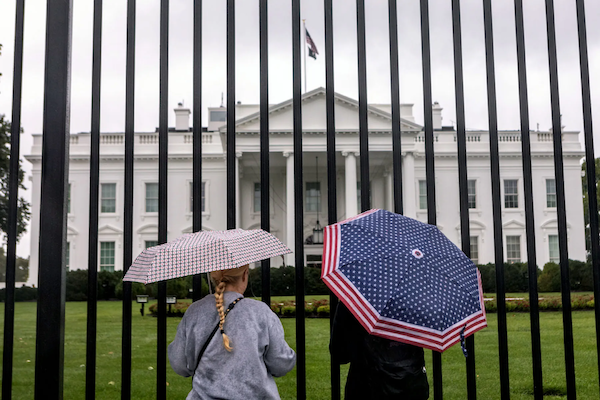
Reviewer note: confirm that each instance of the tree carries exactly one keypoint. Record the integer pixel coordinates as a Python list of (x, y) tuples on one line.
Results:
[(23, 206), (22, 268), (586, 211)]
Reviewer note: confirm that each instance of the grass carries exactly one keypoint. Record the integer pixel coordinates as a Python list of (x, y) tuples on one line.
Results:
[(108, 377)]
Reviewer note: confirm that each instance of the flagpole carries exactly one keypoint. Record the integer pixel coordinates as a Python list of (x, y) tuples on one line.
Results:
[(305, 72)]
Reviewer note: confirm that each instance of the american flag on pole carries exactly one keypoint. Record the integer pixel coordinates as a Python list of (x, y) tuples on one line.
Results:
[(312, 47), (403, 279)]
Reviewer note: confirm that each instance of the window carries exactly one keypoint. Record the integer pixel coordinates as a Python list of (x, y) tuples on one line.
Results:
[(553, 248), (550, 193), (511, 196), (107, 256), (68, 255), (256, 197), (218, 116), (423, 195), (313, 196), (474, 249), (202, 198), (69, 199), (314, 260), (471, 193), (513, 249), (151, 197), (108, 197), (150, 243)]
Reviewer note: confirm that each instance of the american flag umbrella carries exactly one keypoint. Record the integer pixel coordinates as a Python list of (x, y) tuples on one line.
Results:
[(204, 251), (403, 279)]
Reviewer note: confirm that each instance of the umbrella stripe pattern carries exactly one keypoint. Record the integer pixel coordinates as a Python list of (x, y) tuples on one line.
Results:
[(403, 279), (204, 251)]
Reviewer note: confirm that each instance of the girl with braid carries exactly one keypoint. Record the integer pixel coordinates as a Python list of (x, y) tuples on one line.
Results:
[(246, 351)]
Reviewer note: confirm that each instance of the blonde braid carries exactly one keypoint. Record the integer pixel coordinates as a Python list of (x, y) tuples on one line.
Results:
[(219, 302)]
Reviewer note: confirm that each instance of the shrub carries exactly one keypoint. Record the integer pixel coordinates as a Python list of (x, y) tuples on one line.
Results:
[(288, 311), (323, 311), (24, 293), (177, 309)]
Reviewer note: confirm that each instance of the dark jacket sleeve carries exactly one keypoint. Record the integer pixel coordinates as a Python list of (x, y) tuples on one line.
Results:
[(346, 334)]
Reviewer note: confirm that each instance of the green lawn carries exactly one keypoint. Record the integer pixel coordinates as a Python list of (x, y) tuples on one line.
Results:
[(317, 360)]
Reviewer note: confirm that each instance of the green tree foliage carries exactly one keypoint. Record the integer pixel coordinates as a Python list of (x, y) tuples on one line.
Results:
[(22, 268), (586, 211), (580, 277), (516, 277)]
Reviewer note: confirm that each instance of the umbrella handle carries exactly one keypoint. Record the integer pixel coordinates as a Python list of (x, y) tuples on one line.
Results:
[(209, 285)]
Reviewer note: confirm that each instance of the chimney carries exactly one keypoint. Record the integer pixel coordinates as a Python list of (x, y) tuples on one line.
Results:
[(182, 118), (406, 112), (437, 116)]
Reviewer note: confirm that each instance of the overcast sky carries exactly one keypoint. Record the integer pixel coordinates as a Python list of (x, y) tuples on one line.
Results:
[(280, 60)]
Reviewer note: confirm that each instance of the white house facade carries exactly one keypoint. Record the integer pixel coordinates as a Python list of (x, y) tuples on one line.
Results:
[(247, 180)]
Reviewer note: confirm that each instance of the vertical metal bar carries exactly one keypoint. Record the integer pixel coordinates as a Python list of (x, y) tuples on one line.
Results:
[(128, 199), (429, 162), (163, 154), (363, 127), (92, 306), (265, 210), (461, 140), (50, 333), (298, 204), (197, 134), (496, 204), (534, 314), (231, 176), (396, 124), (331, 169), (560, 202), (13, 204), (590, 161)]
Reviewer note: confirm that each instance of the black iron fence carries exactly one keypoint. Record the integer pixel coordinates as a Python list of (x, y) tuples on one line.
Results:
[(51, 305)]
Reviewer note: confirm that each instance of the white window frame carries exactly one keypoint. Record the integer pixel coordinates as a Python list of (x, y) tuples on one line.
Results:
[(106, 266), (473, 194), (550, 194), (146, 183), (190, 189), (115, 199), (518, 206), (513, 260), (254, 202), (421, 195), (555, 259), (319, 197), (474, 240)]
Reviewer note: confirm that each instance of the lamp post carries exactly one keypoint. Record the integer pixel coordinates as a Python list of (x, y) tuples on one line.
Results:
[(171, 300), (142, 299)]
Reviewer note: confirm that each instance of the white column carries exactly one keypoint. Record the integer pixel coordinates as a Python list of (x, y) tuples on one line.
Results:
[(351, 193), (389, 190), (289, 200), (408, 169), (238, 211)]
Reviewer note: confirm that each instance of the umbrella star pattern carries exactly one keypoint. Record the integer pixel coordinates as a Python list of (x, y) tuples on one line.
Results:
[(403, 279)]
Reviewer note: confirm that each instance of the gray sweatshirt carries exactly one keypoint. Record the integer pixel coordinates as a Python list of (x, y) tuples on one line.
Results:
[(259, 353)]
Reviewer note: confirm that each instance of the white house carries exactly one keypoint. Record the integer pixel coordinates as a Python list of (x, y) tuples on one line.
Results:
[(145, 218)]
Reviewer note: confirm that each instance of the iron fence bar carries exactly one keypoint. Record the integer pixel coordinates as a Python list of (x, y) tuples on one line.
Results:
[(92, 294), (331, 171), (298, 205), (265, 206), (429, 163), (197, 135), (496, 205), (231, 156), (461, 141), (163, 155), (534, 316), (560, 202), (396, 122), (13, 205), (50, 334), (590, 161), (128, 200), (363, 126)]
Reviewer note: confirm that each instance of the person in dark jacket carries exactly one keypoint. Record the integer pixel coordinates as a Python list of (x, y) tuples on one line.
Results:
[(379, 368)]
